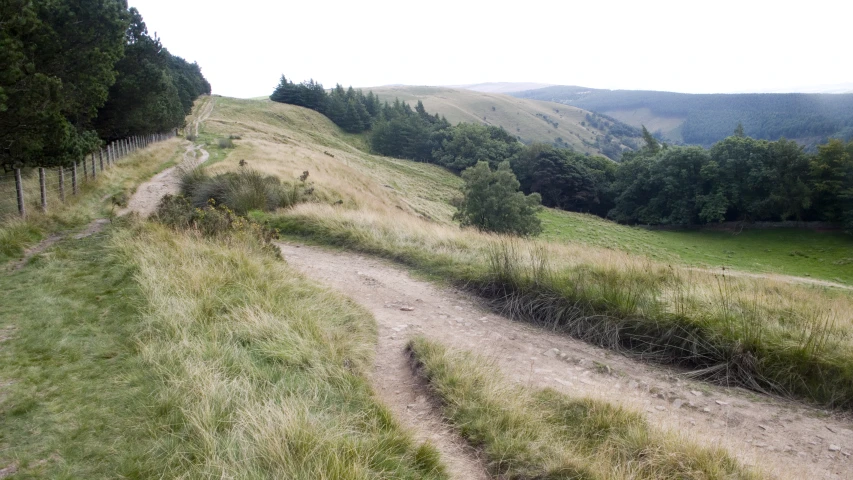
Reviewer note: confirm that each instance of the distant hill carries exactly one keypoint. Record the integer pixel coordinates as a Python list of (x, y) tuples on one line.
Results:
[(501, 87), (529, 120), (703, 119)]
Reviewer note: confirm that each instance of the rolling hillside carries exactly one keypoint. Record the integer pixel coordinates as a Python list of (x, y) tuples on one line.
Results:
[(530, 121), (704, 119), (286, 140)]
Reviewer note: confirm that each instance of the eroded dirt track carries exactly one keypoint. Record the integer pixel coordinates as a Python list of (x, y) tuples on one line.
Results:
[(785, 438), (145, 199)]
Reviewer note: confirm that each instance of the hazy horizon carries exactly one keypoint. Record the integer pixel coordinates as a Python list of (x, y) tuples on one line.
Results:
[(724, 47)]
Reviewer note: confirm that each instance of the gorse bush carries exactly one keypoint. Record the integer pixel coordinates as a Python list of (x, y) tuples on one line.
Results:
[(241, 191)]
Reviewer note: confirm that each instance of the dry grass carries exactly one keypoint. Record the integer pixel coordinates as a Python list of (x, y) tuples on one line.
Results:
[(262, 373), (759, 333), (285, 141), (527, 434)]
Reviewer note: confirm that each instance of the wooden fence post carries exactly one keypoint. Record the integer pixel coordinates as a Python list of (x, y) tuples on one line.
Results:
[(101, 159), (19, 188), (74, 179), (94, 169), (110, 154), (85, 170), (62, 184), (43, 189)]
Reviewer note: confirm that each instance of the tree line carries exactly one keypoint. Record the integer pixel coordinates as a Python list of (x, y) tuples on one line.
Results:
[(738, 179), (78, 73)]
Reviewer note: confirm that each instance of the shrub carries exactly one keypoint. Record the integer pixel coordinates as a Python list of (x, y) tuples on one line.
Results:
[(211, 220), (226, 143), (493, 203), (241, 191), (191, 137)]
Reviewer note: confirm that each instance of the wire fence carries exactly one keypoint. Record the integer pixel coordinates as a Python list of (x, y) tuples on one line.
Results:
[(23, 190)]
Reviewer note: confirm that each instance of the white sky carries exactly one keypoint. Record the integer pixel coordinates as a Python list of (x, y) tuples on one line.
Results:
[(724, 46)]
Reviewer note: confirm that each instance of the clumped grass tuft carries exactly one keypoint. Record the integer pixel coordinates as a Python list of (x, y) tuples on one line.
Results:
[(262, 374), (225, 142), (765, 335), (527, 434), (242, 191)]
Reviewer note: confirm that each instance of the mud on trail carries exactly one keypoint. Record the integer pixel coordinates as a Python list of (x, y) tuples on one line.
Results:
[(784, 438)]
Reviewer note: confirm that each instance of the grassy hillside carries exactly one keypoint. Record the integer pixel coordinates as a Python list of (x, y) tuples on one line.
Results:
[(707, 118), (285, 141), (531, 121)]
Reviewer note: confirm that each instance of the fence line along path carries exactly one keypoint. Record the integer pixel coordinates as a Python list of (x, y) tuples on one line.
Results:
[(40, 187)]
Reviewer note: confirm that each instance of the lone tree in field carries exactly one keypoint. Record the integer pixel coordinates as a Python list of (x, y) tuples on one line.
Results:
[(492, 202)]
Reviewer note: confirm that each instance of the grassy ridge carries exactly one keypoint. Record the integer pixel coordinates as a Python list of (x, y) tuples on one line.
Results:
[(762, 334), (527, 434)]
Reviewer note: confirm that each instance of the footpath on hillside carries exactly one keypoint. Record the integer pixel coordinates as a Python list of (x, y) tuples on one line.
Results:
[(785, 438)]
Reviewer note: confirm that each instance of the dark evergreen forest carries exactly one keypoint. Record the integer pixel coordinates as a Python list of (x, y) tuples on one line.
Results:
[(739, 178), (77, 73)]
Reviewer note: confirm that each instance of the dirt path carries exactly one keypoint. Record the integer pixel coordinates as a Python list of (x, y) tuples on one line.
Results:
[(786, 438), (146, 198)]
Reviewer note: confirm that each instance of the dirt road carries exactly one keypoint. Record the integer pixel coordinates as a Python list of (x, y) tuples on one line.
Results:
[(785, 438)]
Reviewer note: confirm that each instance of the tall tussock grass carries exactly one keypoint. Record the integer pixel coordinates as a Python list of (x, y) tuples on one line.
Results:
[(262, 374), (761, 334), (242, 191), (537, 434)]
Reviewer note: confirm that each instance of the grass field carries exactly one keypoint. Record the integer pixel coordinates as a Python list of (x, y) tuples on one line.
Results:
[(531, 120), (821, 255)]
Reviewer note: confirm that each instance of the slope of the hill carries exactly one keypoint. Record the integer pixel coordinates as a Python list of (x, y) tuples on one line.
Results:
[(530, 121), (707, 118), (286, 140)]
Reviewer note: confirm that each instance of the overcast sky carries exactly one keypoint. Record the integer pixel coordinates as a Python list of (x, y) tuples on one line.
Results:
[(723, 46)]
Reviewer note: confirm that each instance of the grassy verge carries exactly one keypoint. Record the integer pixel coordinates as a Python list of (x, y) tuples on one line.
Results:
[(765, 335), (527, 434), (145, 353), (824, 255), (99, 198), (73, 390), (261, 374)]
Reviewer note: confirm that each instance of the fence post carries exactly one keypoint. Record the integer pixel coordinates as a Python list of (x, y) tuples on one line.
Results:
[(74, 179), (85, 170), (43, 189), (94, 169), (19, 188), (110, 154), (62, 184), (101, 159)]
